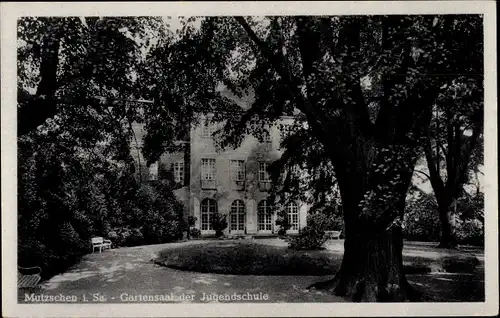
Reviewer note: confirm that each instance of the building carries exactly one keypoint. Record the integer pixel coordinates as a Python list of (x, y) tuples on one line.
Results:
[(234, 182)]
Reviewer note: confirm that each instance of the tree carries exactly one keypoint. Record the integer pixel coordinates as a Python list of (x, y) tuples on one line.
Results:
[(455, 147), (365, 88), (74, 157), (79, 63)]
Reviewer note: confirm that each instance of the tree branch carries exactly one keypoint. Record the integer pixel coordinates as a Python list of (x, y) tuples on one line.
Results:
[(434, 176), (421, 172)]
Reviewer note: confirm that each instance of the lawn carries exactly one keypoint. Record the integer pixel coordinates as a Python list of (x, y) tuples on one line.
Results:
[(240, 257), (245, 258)]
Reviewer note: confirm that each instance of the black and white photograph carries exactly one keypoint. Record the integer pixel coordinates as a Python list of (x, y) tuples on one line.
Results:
[(235, 158)]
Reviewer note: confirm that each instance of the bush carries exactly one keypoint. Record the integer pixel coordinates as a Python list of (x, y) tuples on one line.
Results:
[(283, 222), (195, 233), (192, 220), (310, 238), (219, 224), (421, 220), (470, 232), (323, 222)]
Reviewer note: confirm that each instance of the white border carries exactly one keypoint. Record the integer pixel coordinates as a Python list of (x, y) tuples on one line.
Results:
[(11, 11)]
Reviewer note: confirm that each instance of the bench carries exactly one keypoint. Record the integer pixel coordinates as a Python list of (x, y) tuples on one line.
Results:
[(25, 280), (100, 243), (333, 234)]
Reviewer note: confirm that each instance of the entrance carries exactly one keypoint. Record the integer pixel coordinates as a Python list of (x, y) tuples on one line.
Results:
[(237, 217)]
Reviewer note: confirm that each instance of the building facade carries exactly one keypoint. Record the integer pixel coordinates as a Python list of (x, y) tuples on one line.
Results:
[(234, 182)]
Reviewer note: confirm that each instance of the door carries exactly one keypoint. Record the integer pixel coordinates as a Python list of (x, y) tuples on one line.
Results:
[(237, 217), (265, 216)]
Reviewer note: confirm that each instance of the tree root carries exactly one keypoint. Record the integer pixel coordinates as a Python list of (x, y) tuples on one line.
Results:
[(361, 291)]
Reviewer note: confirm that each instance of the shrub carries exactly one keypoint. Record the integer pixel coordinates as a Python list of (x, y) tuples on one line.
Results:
[(195, 233), (133, 237), (421, 220), (323, 222), (469, 232), (310, 238), (192, 220), (283, 222), (219, 224)]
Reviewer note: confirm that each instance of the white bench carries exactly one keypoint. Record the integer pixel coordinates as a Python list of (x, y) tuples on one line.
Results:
[(100, 243), (28, 280), (333, 234)]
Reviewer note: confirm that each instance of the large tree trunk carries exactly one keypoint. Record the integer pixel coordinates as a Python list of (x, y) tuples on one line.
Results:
[(372, 266), (448, 239), (35, 110)]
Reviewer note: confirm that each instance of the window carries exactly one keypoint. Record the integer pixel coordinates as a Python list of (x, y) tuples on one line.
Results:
[(263, 174), (208, 209), (237, 168), (265, 213), (293, 216), (179, 172), (237, 216), (264, 181), (207, 129), (207, 169), (208, 173)]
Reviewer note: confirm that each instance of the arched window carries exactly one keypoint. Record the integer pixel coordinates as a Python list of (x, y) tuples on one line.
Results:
[(293, 216), (208, 209), (237, 216), (265, 212)]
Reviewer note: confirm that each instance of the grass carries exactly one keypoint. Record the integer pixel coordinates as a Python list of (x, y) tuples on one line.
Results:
[(242, 258), (238, 257)]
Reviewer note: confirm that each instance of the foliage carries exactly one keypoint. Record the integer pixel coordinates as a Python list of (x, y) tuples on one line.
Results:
[(66, 197), (421, 221), (76, 174), (327, 219), (219, 223), (283, 221), (195, 233), (309, 238), (192, 220)]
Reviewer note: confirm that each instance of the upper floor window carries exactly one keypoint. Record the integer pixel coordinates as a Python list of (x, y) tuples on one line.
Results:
[(263, 174), (179, 171), (207, 169), (237, 168), (207, 130)]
